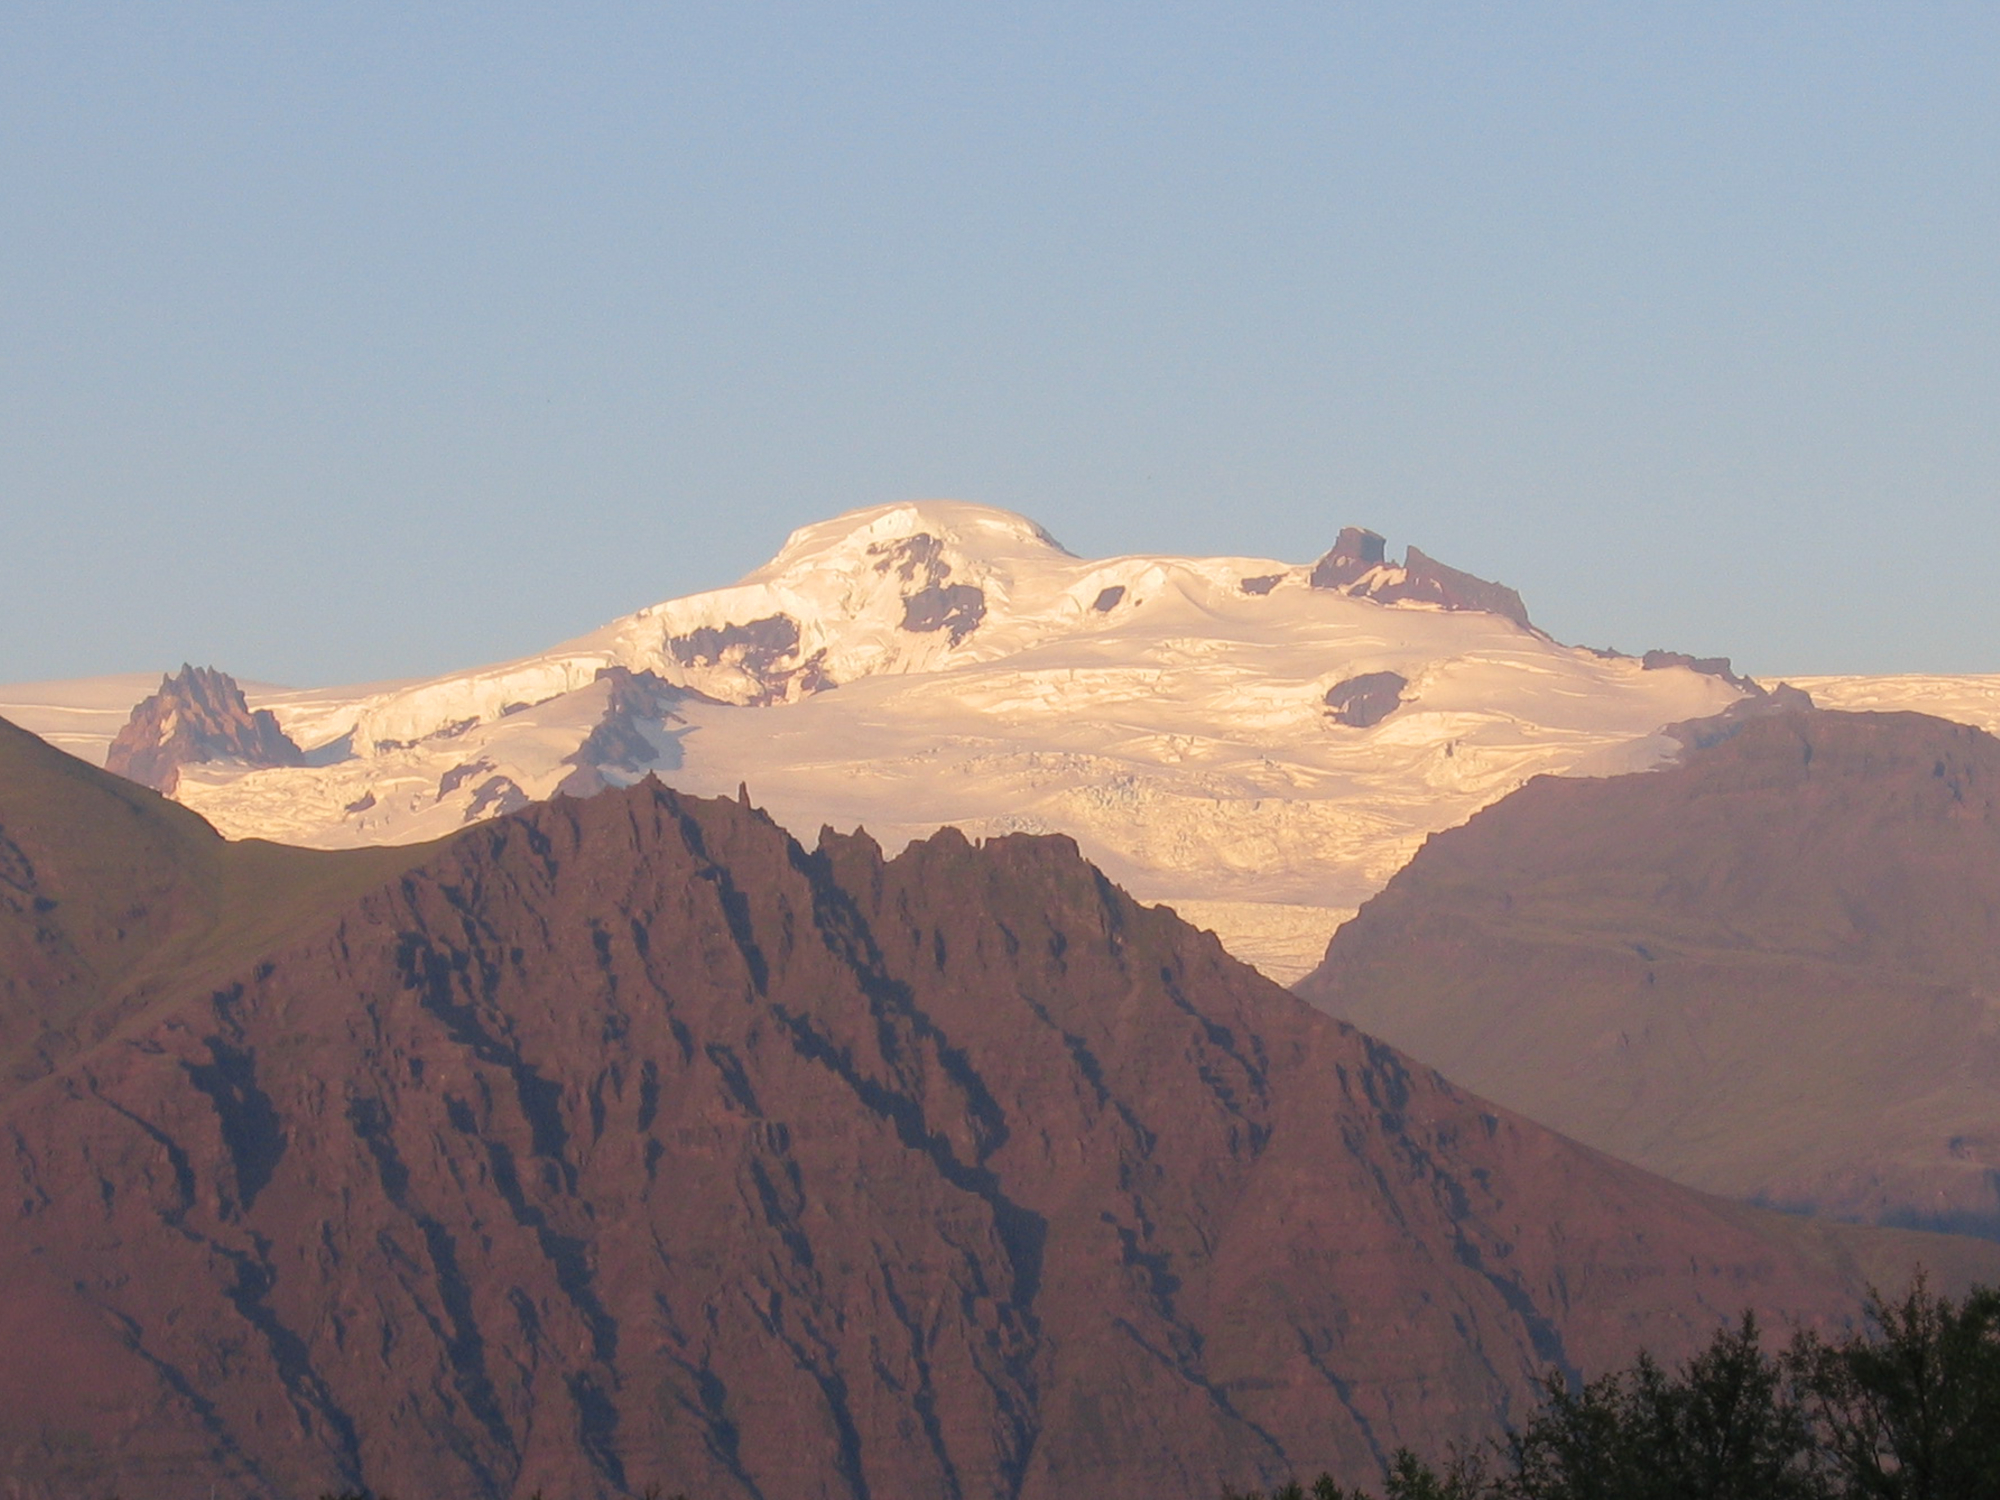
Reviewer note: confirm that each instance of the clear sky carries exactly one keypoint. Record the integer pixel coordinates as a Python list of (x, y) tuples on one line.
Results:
[(344, 341)]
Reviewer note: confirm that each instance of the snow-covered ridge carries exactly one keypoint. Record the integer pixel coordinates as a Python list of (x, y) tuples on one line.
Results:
[(1270, 740), (911, 587), (1970, 699)]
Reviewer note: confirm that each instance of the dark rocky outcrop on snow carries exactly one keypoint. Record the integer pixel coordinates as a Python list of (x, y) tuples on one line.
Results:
[(917, 559), (1768, 971), (1364, 701), (765, 651), (198, 715), (626, 1141), (619, 743), (954, 607), (1355, 553), (1357, 565), (1710, 666), (930, 603), (1446, 586)]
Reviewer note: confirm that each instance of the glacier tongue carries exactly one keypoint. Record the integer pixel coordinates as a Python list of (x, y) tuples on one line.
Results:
[(1191, 722)]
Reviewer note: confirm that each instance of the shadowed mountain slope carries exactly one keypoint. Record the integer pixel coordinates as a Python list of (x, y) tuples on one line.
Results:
[(625, 1141), (1771, 971)]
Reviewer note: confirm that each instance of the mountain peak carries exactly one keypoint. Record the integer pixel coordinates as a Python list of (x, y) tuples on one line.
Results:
[(982, 533), (198, 715)]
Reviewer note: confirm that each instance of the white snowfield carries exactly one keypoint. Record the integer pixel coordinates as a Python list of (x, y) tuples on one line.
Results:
[(923, 664), (1968, 700)]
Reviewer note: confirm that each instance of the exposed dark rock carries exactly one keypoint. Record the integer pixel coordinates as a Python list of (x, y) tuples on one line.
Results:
[(361, 804), (196, 717), (634, 696), (625, 1142), (1260, 585), (932, 604), (1767, 971), (1357, 566), (454, 730), (494, 796), (1710, 666), (917, 559), (458, 775), (1366, 700), (1355, 554), (757, 647), (813, 676), (956, 607), (766, 651), (1109, 599), (1446, 586), (618, 742)]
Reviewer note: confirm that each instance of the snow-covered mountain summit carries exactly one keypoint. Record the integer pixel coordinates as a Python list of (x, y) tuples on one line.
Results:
[(917, 587), (1261, 742)]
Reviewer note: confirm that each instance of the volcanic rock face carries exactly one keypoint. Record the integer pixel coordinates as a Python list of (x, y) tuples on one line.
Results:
[(933, 604), (196, 717), (956, 608), (625, 1141), (1357, 565), (765, 661), (1713, 666), (1769, 971), (1355, 553), (762, 657), (621, 741), (1364, 701)]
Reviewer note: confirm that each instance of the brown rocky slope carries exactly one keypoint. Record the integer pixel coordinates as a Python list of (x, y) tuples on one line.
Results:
[(625, 1141), (1771, 971)]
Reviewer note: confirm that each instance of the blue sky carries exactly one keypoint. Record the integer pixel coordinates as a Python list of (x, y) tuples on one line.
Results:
[(362, 340)]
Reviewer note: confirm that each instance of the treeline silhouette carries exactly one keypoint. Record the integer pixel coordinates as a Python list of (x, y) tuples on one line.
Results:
[(1907, 1409)]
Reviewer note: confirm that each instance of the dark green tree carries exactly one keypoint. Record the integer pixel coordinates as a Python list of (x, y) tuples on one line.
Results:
[(1726, 1426), (1910, 1408), (1409, 1478), (1907, 1408)]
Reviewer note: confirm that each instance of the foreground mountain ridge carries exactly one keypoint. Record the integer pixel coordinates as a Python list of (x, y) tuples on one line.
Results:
[(112, 896), (624, 1140)]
